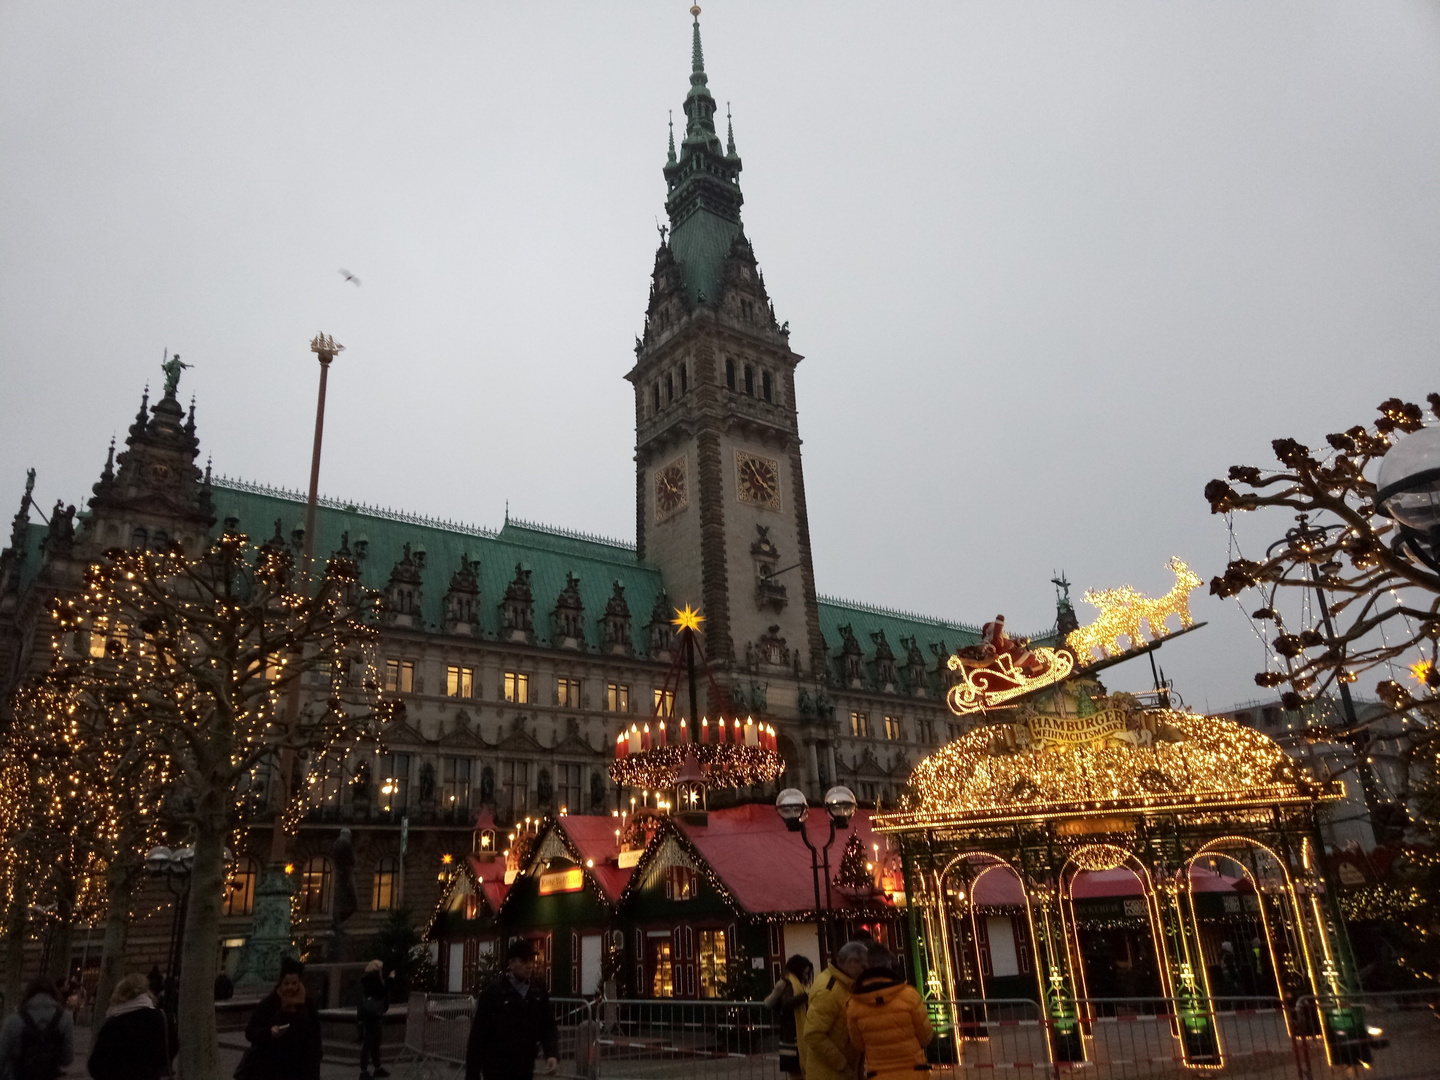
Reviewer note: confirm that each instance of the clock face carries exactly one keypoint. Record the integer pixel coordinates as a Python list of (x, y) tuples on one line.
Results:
[(757, 480), (670, 491)]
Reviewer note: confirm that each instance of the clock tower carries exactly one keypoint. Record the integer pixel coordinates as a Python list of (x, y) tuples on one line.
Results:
[(720, 494)]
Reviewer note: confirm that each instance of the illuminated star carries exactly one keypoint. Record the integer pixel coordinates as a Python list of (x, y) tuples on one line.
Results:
[(1420, 671), (447, 859), (688, 619)]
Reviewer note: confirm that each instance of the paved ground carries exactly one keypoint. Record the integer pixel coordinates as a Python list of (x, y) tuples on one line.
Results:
[(229, 1058)]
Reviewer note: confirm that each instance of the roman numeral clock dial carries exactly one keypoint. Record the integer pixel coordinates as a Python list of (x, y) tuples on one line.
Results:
[(757, 480), (670, 493)]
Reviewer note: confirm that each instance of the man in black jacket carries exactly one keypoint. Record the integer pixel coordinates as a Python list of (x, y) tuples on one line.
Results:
[(512, 1021)]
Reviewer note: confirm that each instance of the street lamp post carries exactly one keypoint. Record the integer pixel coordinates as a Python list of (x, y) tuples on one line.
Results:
[(270, 923), (793, 809), (1407, 490), (173, 866)]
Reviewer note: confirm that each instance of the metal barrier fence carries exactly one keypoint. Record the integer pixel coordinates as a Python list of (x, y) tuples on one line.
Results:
[(437, 1029), (1388, 1036)]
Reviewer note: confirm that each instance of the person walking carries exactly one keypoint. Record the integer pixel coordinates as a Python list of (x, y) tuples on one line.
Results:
[(283, 1032), (134, 1041), (887, 1020), (37, 1042), (829, 1054), (374, 1004), (791, 999), (512, 1020)]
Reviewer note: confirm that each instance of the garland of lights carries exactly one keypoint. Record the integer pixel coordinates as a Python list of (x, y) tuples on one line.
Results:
[(723, 765), (1171, 758)]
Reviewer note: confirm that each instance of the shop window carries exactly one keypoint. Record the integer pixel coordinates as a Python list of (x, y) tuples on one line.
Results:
[(713, 963), (661, 963), (385, 895)]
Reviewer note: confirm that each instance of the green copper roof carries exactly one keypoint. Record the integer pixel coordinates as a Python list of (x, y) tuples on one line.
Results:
[(550, 555), (703, 188), (867, 619)]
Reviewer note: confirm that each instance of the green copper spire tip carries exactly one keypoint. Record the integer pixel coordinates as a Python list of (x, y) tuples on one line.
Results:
[(697, 57), (729, 133), (672, 137)]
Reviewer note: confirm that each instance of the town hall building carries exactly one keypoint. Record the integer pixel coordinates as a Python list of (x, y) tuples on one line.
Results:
[(521, 652)]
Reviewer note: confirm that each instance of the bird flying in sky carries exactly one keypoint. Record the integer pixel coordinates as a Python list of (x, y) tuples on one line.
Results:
[(349, 276)]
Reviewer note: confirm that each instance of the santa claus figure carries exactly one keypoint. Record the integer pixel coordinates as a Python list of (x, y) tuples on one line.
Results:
[(994, 643)]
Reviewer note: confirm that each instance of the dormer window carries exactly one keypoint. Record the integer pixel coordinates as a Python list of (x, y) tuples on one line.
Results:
[(765, 385), (730, 374), (749, 380)]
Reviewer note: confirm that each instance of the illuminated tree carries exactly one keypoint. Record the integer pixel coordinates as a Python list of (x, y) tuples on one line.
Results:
[(1344, 594), (854, 871), (191, 661)]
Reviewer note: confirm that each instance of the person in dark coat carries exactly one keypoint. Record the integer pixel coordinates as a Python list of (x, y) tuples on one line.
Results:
[(284, 1032), (370, 1013), (513, 1020), (134, 1042), (40, 1032)]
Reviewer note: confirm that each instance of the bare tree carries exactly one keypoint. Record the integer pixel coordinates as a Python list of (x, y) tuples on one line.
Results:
[(1358, 602), (195, 661)]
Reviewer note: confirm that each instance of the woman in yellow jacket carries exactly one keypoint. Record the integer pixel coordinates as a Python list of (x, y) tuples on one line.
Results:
[(791, 999), (887, 1021)]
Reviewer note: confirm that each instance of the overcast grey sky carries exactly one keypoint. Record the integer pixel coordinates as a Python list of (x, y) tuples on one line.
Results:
[(1052, 266)]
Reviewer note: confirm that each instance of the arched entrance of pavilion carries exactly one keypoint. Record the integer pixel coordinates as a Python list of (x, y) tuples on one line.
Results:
[(1158, 790)]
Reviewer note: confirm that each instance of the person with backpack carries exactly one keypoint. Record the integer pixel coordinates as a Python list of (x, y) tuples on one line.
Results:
[(134, 1042), (38, 1041)]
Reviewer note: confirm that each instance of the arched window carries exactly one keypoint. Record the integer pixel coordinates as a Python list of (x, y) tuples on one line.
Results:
[(669, 388), (160, 540), (684, 378), (749, 380), (315, 881), (139, 538), (655, 393), (730, 374), (240, 889), (385, 896), (765, 385)]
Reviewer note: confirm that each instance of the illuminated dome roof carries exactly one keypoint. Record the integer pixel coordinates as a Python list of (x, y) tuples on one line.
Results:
[(1113, 761)]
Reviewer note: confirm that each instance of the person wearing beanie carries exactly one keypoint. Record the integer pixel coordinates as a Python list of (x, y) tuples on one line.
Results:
[(513, 1021), (134, 1042), (284, 1032)]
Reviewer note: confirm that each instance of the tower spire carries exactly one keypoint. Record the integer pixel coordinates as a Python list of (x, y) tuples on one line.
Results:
[(729, 133), (697, 55), (671, 159)]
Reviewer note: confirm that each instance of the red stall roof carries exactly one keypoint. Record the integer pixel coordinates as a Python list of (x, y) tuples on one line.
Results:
[(765, 866), (594, 838)]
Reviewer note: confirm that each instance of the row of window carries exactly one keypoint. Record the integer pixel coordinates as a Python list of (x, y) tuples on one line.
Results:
[(744, 379), (894, 727), (516, 689), (316, 886), (461, 783), (675, 382)]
